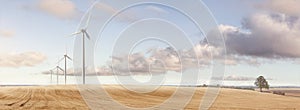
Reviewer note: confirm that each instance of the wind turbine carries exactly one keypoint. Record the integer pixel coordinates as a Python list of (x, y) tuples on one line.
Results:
[(65, 71), (84, 33), (57, 72)]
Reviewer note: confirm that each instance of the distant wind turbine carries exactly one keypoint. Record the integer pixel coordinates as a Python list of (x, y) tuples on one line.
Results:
[(57, 72), (65, 58), (84, 33)]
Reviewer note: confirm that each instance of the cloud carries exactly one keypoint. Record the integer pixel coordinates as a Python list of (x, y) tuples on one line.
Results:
[(107, 8), (7, 33), (162, 60), (266, 35), (278, 37), (254, 43), (238, 78), (64, 9), (25, 59), (127, 16), (289, 7), (154, 61), (136, 63)]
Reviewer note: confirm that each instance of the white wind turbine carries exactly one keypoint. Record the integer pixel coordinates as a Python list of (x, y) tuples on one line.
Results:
[(65, 58), (57, 72), (84, 33)]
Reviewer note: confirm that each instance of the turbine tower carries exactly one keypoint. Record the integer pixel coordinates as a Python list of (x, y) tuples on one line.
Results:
[(51, 72), (84, 33), (65, 71)]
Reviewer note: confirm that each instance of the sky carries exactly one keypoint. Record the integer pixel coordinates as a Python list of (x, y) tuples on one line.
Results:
[(261, 38)]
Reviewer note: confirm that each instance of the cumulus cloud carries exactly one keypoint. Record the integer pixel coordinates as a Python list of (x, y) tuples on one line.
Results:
[(265, 35), (25, 59), (64, 9), (289, 7), (278, 37), (7, 33), (126, 16), (137, 63), (162, 60), (154, 61)]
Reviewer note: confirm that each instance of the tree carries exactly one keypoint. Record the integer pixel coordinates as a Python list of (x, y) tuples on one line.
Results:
[(261, 82)]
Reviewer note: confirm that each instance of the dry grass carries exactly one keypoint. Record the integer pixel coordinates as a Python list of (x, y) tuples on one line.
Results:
[(68, 97)]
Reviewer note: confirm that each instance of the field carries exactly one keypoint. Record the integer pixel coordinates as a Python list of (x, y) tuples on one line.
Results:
[(68, 97), (293, 92)]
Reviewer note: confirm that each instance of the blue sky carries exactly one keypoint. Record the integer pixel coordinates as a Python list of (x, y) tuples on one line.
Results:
[(37, 34)]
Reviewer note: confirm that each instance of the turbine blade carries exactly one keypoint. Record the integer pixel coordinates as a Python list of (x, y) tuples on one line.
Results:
[(87, 35), (75, 33), (68, 57), (88, 21), (60, 68)]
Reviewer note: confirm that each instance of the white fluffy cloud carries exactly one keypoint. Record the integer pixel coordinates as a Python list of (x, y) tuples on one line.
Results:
[(64, 9), (26, 59), (269, 36), (161, 60), (137, 63)]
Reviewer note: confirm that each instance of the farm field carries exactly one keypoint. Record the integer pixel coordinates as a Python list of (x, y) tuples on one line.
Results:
[(68, 97)]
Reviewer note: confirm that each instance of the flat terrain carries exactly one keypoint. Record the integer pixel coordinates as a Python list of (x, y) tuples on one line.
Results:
[(68, 97), (293, 92)]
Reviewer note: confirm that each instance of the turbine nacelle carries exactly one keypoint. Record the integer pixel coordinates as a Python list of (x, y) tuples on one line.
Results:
[(83, 30)]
